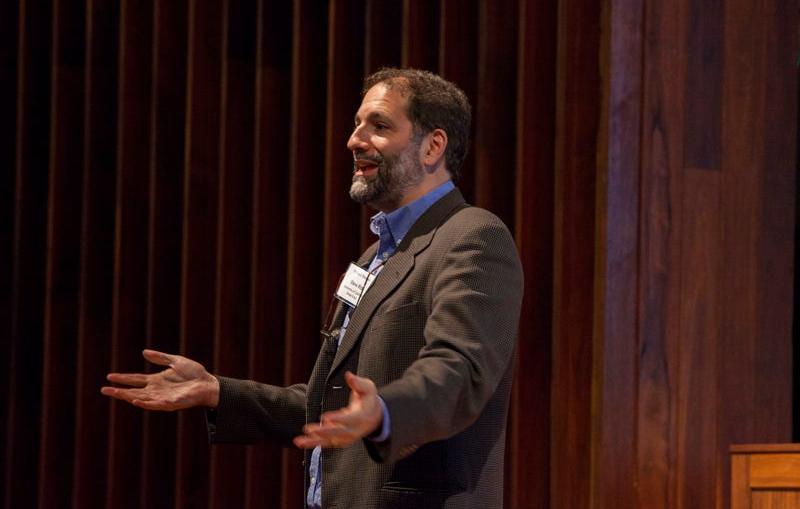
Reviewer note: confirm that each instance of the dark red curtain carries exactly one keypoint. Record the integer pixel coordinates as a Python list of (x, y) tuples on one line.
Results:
[(175, 177)]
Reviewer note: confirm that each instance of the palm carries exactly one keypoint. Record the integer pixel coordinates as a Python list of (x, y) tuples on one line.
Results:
[(184, 370), (184, 384), (341, 428)]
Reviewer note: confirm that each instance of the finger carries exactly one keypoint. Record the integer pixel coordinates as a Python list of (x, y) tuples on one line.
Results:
[(335, 418), (305, 442), (137, 398), (309, 439), (128, 395), (133, 379), (310, 429), (321, 434), (325, 437), (160, 358), (108, 391), (332, 433)]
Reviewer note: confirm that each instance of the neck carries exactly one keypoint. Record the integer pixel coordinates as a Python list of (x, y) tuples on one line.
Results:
[(428, 184)]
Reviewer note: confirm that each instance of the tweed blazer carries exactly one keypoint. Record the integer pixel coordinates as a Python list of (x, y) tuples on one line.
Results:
[(436, 332)]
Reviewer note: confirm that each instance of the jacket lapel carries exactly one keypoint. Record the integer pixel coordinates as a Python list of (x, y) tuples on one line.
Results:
[(396, 269)]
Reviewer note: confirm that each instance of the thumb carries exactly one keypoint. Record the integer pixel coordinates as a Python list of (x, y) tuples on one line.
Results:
[(359, 384), (160, 358)]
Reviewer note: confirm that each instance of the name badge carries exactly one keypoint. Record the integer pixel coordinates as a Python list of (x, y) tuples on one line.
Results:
[(354, 285)]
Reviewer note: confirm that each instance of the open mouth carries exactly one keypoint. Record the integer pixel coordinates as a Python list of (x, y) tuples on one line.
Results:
[(365, 167)]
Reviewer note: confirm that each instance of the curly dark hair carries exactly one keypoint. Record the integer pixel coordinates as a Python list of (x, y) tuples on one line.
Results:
[(433, 103)]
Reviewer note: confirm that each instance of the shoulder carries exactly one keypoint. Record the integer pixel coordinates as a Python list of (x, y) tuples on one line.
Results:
[(472, 214), (470, 220), (475, 236)]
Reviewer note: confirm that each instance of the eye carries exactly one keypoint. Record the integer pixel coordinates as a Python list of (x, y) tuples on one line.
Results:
[(381, 126)]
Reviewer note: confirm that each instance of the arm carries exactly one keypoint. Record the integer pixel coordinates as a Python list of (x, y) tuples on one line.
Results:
[(470, 336), (243, 411), (249, 411)]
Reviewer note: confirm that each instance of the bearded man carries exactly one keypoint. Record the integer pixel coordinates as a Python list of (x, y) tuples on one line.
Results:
[(406, 405)]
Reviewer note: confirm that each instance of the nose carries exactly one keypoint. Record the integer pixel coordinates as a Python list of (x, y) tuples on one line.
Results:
[(357, 141)]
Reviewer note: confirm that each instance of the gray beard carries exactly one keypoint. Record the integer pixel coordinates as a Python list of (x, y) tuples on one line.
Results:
[(396, 174)]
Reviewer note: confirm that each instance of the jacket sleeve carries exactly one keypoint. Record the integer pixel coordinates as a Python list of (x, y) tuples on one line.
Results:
[(249, 412)]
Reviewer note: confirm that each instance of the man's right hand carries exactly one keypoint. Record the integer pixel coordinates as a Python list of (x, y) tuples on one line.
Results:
[(184, 384)]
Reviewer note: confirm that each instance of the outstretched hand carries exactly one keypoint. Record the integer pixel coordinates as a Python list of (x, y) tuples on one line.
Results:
[(361, 417), (184, 384)]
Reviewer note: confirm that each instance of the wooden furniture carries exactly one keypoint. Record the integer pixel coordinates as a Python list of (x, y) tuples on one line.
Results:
[(765, 476)]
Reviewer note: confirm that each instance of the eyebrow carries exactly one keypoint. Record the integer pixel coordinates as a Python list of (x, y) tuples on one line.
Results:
[(372, 117)]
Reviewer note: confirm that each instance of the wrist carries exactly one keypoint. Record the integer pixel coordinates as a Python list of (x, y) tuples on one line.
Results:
[(376, 429), (211, 398), (382, 429)]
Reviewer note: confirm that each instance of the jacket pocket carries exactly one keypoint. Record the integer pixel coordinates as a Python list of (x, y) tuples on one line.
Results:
[(413, 311), (396, 496)]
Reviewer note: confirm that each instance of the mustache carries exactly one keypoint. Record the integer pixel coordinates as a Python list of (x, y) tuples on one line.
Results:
[(377, 158)]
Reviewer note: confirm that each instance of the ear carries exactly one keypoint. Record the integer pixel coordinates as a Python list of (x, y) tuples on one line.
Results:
[(433, 149)]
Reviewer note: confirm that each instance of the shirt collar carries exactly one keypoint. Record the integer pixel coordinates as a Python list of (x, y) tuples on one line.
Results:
[(391, 228)]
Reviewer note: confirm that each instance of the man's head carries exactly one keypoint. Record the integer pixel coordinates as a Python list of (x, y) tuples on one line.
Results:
[(432, 103), (411, 134)]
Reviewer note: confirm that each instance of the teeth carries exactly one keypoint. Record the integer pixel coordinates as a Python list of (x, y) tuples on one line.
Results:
[(366, 160)]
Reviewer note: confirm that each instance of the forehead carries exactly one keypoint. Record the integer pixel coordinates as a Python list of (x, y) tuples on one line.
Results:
[(384, 101)]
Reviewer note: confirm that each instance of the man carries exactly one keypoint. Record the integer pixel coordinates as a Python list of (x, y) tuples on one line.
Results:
[(406, 406)]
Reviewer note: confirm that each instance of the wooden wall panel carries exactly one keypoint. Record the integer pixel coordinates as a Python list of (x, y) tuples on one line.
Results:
[(701, 132), (179, 179), (758, 236), (618, 222), (704, 262), (699, 335), (776, 243), (660, 262), (739, 272)]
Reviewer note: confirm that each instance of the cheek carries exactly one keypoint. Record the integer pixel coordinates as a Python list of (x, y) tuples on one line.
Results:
[(389, 147), (381, 144)]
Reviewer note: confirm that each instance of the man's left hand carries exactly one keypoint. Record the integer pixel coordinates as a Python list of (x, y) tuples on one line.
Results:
[(340, 428)]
